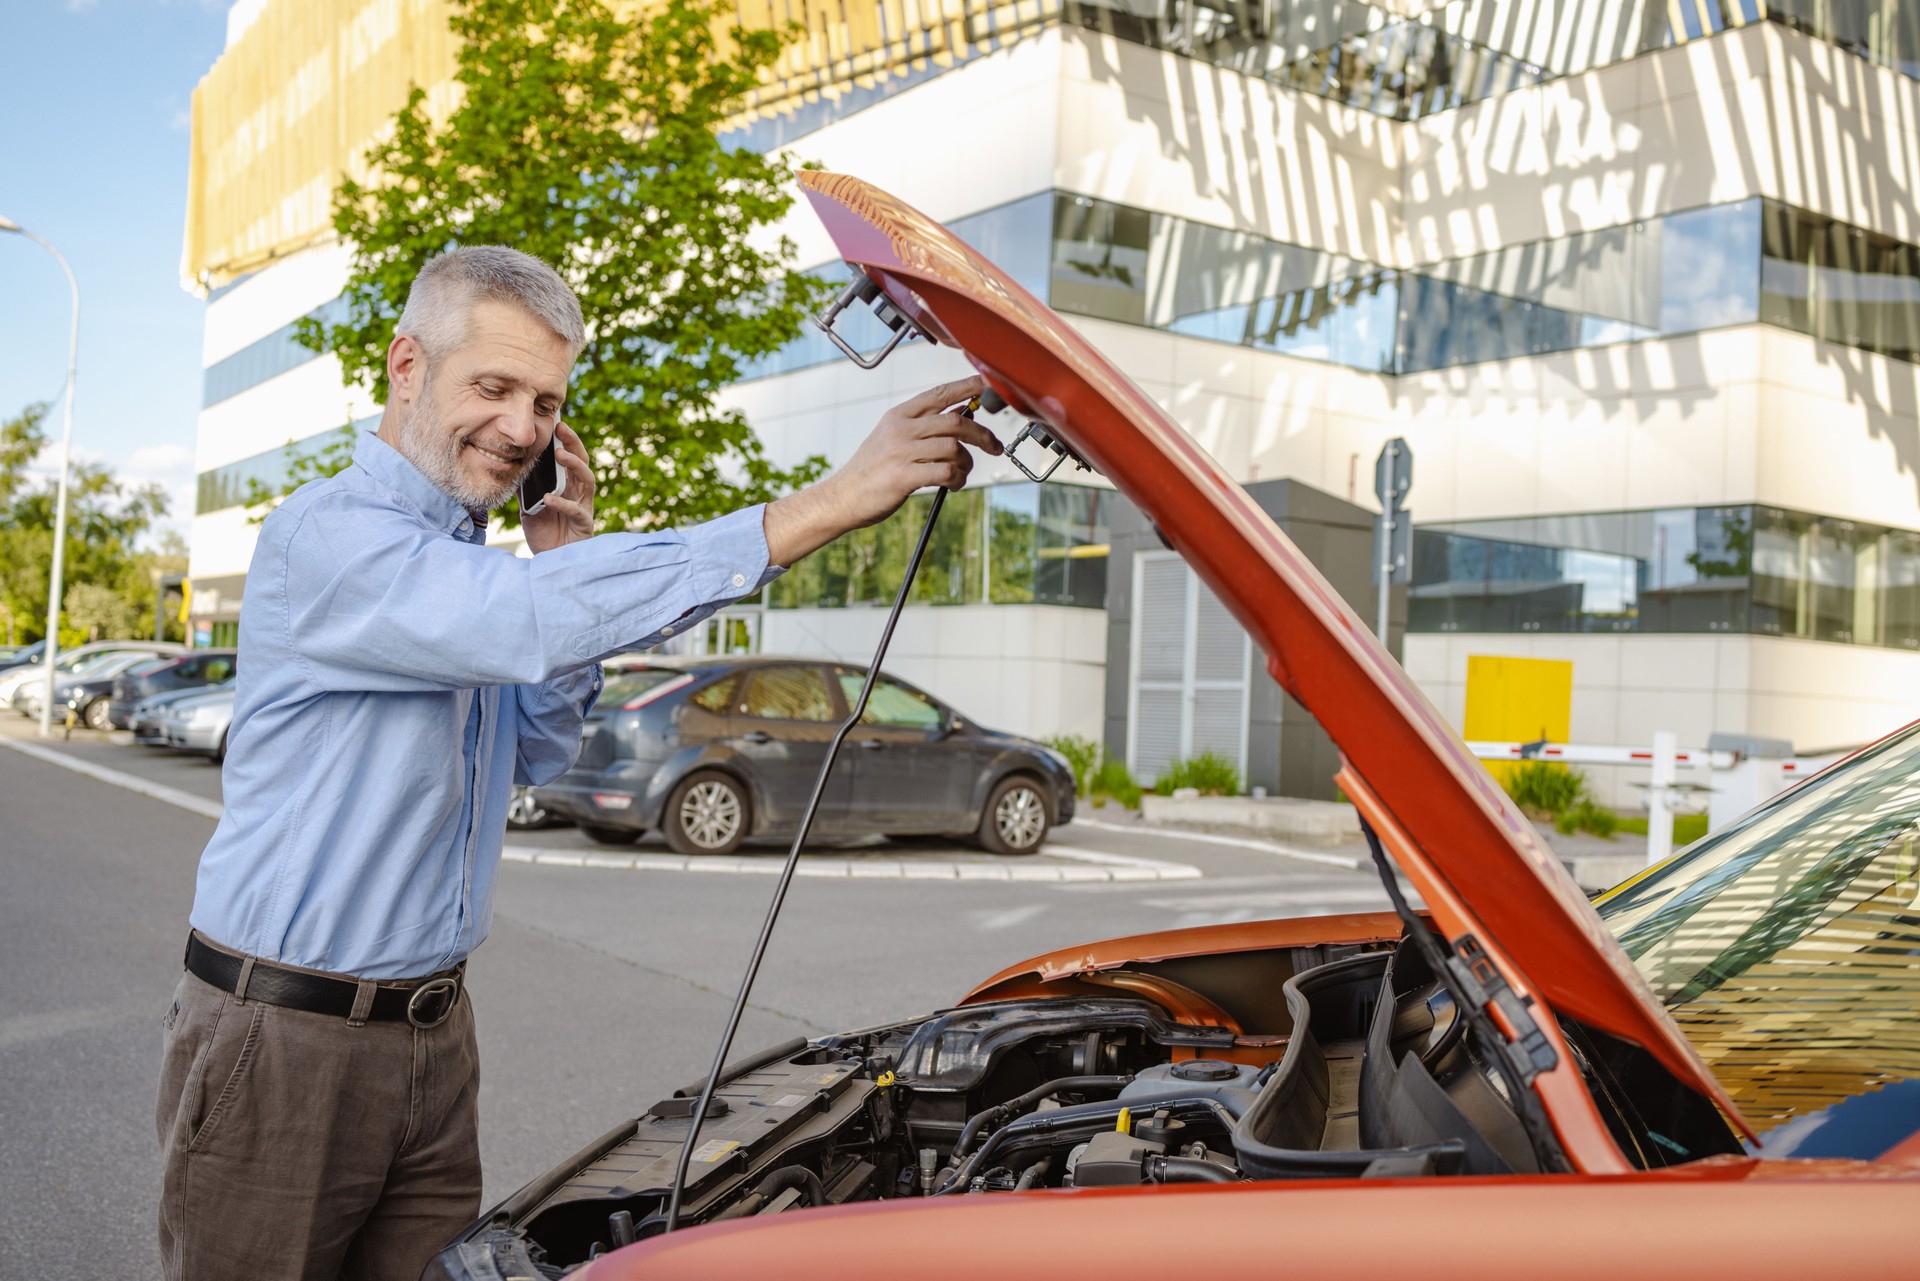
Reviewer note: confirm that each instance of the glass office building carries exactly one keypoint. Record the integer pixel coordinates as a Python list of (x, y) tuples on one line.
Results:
[(1637, 280)]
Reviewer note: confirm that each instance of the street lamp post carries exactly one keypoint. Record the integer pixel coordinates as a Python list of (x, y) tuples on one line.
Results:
[(57, 583)]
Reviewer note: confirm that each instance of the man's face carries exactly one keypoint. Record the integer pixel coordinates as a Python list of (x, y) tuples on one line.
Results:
[(474, 419)]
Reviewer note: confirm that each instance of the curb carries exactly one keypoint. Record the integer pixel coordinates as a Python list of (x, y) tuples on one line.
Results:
[(1083, 865), (1088, 865)]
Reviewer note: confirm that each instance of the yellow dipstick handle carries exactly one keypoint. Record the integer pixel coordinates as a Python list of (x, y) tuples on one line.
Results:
[(1125, 1123)]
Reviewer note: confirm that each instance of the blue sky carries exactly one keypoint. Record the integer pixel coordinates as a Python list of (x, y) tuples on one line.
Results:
[(93, 156)]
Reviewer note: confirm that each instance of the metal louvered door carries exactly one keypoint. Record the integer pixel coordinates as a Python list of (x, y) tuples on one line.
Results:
[(1190, 657)]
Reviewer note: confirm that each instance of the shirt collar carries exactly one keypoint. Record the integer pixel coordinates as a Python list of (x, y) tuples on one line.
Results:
[(396, 472)]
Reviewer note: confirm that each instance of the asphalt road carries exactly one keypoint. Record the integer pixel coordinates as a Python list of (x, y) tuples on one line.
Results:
[(598, 992)]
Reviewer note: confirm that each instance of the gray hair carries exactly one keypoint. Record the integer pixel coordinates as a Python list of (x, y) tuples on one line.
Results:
[(443, 295)]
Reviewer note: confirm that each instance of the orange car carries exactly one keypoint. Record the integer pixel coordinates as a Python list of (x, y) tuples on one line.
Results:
[(1711, 1071)]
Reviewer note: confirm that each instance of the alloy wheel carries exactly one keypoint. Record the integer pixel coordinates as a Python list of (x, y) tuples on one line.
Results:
[(524, 811), (710, 814), (1020, 817), (96, 714)]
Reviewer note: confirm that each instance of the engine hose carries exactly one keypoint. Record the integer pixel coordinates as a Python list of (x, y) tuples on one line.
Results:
[(1013, 1107), (1091, 1117), (791, 1176), (1033, 1174), (1187, 1169)]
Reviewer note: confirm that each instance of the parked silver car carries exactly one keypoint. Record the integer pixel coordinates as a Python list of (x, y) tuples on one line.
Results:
[(29, 696), (200, 724), (148, 718), (72, 661)]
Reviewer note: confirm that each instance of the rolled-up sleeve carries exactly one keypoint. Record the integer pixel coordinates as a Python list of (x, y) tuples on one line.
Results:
[(400, 608), (551, 714)]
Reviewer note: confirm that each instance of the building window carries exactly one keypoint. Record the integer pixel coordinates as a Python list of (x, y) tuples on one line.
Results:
[(265, 358), (229, 486), (1758, 570), (1005, 544)]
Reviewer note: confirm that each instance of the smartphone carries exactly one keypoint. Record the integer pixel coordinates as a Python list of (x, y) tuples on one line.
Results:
[(545, 478)]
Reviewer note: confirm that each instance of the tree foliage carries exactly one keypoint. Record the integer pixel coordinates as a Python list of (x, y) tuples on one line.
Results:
[(591, 141), (105, 521)]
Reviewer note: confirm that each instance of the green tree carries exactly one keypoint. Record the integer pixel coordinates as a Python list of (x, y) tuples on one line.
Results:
[(591, 141), (105, 522)]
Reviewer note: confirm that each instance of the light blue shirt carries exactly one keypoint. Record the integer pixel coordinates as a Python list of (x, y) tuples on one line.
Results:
[(397, 676)]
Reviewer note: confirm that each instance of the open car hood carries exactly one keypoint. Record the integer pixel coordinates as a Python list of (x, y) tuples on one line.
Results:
[(1477, 862)]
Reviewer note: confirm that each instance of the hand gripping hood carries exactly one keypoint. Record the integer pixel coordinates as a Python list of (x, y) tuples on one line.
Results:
[(1478, 863)]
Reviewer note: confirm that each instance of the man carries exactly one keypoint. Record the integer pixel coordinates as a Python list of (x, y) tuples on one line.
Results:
[(317, 1098)]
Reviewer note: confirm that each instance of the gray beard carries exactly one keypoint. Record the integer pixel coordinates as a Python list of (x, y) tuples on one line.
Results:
[(436, 454)]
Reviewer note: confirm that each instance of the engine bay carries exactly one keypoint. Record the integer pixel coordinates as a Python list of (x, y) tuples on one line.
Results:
[(1350, 1062)]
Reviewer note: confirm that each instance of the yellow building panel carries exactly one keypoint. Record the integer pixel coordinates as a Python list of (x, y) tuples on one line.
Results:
[(300, 95), (1517, 700)]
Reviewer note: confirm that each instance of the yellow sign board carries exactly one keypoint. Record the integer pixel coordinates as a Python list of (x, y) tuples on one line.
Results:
[(1517, 700)]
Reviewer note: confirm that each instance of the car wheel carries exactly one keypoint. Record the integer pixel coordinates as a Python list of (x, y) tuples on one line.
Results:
[(708, 813), (220, 752), (1016, 818), (95, 715), (526, 814), (610, 835)]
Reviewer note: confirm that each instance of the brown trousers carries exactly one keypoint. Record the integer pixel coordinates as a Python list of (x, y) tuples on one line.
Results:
[(303, 1147)]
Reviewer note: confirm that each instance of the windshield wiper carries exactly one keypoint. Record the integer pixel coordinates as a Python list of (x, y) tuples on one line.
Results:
[(1478, 988)]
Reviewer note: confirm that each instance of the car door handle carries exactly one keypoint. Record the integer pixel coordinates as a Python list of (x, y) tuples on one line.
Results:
[(871, 744), (758, 736)]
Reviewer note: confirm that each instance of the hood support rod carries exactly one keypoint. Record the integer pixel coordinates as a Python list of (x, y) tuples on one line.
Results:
[(793, 860)]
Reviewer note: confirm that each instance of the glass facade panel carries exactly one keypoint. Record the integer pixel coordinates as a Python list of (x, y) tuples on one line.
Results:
[(1007, 544), (229, 486), (1689, 569), (1840, 283), (1047, 545), (265, 358)]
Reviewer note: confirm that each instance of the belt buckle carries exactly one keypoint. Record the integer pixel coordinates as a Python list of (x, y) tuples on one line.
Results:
[(443, 987)]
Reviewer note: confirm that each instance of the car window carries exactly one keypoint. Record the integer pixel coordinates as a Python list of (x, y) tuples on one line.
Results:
[(628, 685), (217, 669), (788, 694), (717, 697), (892, 703)]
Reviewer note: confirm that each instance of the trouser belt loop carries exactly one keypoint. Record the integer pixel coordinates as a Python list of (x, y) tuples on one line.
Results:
[(246, 977), (362, 1003)]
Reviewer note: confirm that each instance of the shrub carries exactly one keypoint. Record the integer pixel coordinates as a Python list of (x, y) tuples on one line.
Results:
[(1209, 773), (1544, 790), (1080, 752), (1112, 781), (1587, 817)]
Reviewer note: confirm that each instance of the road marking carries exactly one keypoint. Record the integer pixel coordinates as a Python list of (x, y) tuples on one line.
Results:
[(1238, 842), (132, 782), (1080, 865)]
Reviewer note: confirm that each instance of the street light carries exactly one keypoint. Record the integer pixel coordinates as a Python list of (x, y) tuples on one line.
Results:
[(66, 457)]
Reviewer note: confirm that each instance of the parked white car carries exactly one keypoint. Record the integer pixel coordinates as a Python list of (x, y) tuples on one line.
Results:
[(200, 724), (18, 685)]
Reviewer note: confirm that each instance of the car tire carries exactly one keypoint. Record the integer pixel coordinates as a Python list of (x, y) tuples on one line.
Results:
[(1017, 816), (525, 814), (610, 835), (95, 715), (708, 813), (220, 752)]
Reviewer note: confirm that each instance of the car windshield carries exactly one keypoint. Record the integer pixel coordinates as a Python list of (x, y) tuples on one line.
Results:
[(1787, 947), (628, 685)]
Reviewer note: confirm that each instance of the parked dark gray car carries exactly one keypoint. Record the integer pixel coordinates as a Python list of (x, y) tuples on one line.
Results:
[(712, 751)]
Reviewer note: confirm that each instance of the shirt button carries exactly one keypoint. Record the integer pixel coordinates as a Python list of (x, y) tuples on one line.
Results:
[(667, 630), (739, 580)]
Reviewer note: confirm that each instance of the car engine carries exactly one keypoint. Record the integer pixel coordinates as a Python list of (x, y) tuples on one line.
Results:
[(1347, 1062)]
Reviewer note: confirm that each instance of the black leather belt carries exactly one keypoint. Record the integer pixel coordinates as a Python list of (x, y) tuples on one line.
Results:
[(424, 1002)]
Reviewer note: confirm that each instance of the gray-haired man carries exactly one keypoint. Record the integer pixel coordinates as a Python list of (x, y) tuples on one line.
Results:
[(317, 1096)]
